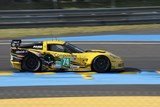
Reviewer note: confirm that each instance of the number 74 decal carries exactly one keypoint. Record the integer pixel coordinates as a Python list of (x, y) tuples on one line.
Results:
[(65, 62)]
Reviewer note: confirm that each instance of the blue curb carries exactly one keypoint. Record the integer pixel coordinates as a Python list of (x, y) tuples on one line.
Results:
[(153, 38), (71, 78)]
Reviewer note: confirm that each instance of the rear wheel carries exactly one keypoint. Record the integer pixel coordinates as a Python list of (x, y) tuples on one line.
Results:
[(101, 64), (31, 63)]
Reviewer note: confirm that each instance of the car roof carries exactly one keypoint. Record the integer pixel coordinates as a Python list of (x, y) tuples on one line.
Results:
[(55, 42)]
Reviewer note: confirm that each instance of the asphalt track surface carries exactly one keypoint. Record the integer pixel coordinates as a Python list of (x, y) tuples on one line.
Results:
[(78, 91), (140, 56)]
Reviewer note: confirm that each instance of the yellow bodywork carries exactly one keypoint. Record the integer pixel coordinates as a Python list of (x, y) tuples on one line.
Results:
[(83, 59)]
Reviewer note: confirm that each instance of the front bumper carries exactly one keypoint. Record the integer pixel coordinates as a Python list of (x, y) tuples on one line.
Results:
[(118, 64)]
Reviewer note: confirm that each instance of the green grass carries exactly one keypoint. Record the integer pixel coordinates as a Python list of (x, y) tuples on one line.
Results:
[(62, 31)]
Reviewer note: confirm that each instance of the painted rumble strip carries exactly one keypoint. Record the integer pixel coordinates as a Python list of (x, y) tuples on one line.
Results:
[(72, 78), (147, 38), (116, 101), (6, 73)]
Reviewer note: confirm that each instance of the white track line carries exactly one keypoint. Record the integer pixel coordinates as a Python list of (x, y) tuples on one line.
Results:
[(7, 42), (109, 43), (119, 43)]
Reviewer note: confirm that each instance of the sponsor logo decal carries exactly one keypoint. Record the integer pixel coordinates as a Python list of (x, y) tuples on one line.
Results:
[(37, 46), (19, 52)]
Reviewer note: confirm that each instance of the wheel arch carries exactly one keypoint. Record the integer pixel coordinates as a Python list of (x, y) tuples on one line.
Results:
[(28, 55), (99, 56), (92, 57)]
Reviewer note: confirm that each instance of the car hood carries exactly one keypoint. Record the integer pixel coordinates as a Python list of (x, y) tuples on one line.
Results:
[(99, 51)]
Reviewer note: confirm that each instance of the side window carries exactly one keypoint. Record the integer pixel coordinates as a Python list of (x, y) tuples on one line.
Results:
[(54, 47)]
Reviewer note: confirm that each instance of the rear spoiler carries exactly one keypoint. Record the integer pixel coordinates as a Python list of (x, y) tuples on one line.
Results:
[(16, 43)]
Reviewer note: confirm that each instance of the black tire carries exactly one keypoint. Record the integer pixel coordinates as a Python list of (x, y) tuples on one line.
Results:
[(31, 63), (101, 64)]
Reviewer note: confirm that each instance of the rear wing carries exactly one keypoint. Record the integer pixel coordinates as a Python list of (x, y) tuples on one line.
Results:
[(16, 43)]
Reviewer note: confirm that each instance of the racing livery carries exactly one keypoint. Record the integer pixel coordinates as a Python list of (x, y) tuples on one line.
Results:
[(60, 55)]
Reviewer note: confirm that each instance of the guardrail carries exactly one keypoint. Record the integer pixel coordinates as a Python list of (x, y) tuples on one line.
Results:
[(78, 17)]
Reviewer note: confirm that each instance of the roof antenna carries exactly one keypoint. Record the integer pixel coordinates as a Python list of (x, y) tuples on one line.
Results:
[(54, 38)]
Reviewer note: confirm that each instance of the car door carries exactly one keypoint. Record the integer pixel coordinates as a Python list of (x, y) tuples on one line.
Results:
[(78, 57), (60, 54)]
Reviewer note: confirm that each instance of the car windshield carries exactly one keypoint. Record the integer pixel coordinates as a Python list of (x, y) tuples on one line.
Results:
[(73, 48)]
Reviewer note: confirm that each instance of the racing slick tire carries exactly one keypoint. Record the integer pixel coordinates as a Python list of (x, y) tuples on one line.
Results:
[(31, 63), (101, 64)]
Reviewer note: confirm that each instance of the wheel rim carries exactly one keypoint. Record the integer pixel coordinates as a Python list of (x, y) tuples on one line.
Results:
[(101, 64), (32, 63)]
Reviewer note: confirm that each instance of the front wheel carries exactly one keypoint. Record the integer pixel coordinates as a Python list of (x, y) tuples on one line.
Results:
[(31, 63), (101, 64)]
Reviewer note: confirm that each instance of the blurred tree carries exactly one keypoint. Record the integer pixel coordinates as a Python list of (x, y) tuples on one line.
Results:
[(113, 3), (56, 4), (6, 1)]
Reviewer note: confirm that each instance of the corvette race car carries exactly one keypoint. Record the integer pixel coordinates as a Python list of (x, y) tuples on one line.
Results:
[(57, 55)]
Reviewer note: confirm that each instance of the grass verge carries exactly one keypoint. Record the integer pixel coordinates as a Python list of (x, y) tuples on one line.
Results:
[(62, 31)]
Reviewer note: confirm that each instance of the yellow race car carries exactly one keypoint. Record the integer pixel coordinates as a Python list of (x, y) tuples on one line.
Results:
[(58, 55)]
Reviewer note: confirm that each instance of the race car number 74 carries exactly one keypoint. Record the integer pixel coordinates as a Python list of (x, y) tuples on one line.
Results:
[(65, 62)]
